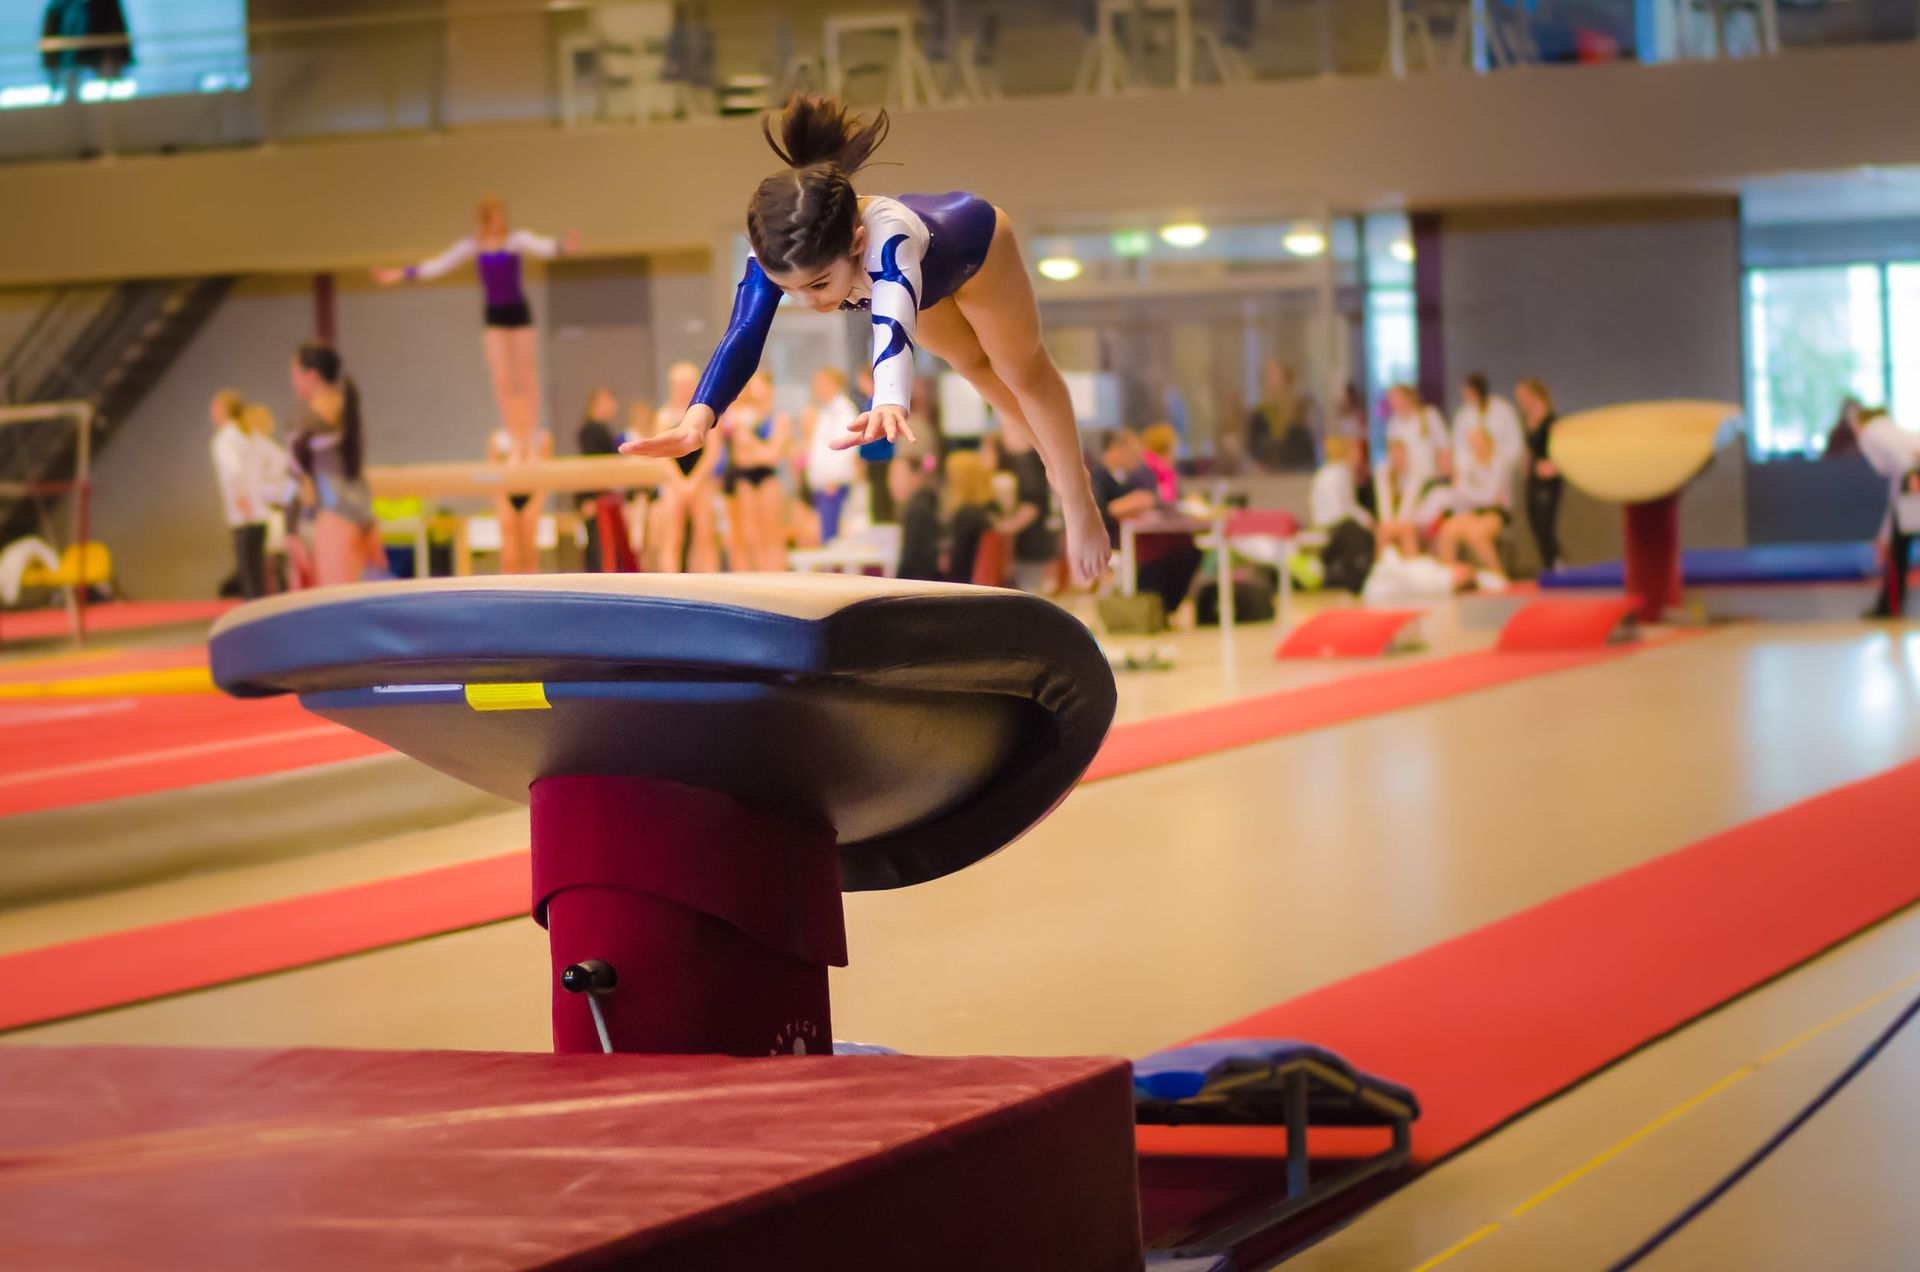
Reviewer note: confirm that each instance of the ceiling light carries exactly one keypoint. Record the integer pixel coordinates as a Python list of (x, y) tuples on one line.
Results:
[(1061, 269), (1305, 239), (1401, 250), (1184, 234)]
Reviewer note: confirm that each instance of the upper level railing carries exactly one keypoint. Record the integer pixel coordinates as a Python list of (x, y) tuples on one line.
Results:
[(211, 80)]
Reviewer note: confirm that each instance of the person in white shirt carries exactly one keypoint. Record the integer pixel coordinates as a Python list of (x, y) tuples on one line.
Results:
[(235, 468), (1481, 500), (1414, 501), (270, 469), (1335, 494), (1479, 408), (1421, 427), (1894, 453), (831, 471)]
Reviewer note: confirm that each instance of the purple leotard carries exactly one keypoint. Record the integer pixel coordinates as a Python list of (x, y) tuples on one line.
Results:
[(921, 248), (500, 272)]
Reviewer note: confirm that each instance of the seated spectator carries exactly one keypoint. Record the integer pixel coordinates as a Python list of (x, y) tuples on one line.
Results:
[(1421, 427), (1342, 487), (1159, 445), (1124, 489), (971, 512), (1414, 501), (910, 486), (1481, 500)]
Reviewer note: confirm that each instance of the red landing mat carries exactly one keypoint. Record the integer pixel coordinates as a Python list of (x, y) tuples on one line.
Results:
[(1586, 623), (144, 963), (114, 616), (119, 1158), (59, 752), (1487, 1025), (1346, 633)]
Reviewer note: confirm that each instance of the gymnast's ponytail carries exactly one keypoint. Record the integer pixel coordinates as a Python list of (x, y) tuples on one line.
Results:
[(816, 129), (803, 218), (324, 361)]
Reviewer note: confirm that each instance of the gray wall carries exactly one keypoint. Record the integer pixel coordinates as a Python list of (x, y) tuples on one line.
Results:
[(1605, 302), (414, 351)]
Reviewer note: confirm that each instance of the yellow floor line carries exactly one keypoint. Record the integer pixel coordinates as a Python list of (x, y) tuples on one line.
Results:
[(1669, 1117), (120, 685)]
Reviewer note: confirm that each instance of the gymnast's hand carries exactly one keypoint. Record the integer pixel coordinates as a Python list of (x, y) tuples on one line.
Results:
[(882, 423), (689, 436)]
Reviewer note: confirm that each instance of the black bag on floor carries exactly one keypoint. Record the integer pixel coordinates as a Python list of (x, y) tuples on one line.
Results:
[(1348, 556), (1252, 599)]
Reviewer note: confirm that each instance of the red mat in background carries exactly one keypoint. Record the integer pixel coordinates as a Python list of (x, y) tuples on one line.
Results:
[(1575, 623), (57, 752), (1489, 1024), (112, 616), (1346, 633), (1186, 735)]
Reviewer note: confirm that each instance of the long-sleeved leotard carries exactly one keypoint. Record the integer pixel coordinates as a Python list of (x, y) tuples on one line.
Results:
[(921, 248), (500, 281)]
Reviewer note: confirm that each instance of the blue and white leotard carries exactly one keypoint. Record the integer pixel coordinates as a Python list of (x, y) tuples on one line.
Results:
[(921, 248)]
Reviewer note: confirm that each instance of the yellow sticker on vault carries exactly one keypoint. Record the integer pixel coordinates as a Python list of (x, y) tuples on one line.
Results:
[(518, 697)]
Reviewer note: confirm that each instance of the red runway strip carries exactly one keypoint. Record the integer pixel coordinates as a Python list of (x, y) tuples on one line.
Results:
[(54, 754), (218, 948), (1190, 734), (114, 616), (150, 962), (1489, 1024)]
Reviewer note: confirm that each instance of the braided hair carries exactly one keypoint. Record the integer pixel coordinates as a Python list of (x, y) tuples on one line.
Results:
[(804, 217)]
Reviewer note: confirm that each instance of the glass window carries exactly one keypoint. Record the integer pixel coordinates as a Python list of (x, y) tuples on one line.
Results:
[(1903, 324), (1393, 355), (1814, 337)]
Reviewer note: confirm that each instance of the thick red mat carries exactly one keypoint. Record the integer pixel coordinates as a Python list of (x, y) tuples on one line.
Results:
[(114, 616), (1489, 1024), (233, 945), (1346, 633), (57, 752), (1578, 623), (132, 1157)]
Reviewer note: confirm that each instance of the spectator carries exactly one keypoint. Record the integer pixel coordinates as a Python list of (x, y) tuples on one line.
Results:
[(1421, 427), (1350, 416), (1159, 445), (1482, 501), (240, 495), (1895, 455), (971, 512), (271, 471), (1123, 487), (1280, 429), (1544, 482), (1844, 439), (1035, 546), (1480, 408), (597, 437), (756, 446), (830, 473), (685, 516), (910, 484), (1341, 505), (1415, 500)]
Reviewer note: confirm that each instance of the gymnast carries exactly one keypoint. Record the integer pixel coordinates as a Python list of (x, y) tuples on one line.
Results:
[(940, 269), (508, 338)]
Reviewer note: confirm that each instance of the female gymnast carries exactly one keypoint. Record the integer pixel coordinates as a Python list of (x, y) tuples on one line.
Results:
[(512, 354), (343, 539), (940, 269)]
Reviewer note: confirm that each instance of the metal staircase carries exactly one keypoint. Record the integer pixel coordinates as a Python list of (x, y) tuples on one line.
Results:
[(108, 345)]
